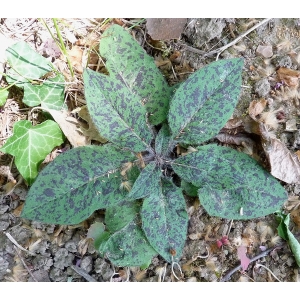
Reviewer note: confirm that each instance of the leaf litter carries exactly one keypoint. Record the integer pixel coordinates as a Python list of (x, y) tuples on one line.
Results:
[(262, 133)]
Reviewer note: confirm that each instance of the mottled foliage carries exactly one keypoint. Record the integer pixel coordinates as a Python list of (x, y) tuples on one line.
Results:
[(205, 101), (126, 59), (232, 185)]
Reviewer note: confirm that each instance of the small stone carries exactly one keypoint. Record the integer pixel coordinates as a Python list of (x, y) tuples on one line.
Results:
[(264, 51), (291, 125), (262, 87)]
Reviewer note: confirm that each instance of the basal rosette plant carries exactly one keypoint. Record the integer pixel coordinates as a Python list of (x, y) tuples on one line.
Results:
[(137, 177)]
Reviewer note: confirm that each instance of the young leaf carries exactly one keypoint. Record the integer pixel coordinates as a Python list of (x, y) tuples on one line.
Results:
[(25, 62), (50, 94), (31, 144), (189, 188), (165, 219), (116, 111), (203, 103), (146, 182), (164, 144), (128, 60), (75, 184), (128, 246), (232, 184), (285, 233), (3, 96)]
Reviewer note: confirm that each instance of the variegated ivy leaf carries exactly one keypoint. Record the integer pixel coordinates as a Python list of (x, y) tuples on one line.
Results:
[(49, 94), (231, 184), (164, 219), (203, 103), (31, 144), (26, 64), (127, 60), (116, 111), (76, 183)]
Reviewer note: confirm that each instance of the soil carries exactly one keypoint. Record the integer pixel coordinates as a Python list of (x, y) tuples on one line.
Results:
[(32, 251)]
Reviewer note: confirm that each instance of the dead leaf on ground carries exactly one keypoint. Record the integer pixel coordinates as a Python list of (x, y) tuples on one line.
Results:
[(70, 127), (288, 76), (285, 165), (165, 28), (75, 56), (245, 261), (256, 107), (91, 132)]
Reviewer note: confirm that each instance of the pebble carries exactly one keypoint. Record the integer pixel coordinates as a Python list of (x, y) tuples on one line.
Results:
[(264, 51)]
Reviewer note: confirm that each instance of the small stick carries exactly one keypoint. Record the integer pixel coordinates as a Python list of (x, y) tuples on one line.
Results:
[(263, 254), (23, 262), (16, 244), (84, 274)]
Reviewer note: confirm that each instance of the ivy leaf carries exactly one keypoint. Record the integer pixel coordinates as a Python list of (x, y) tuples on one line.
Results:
[(203, 103), (128, 246), (3, 96), (31, 144), (26, 64), (286, 234), (165, 219), (232, 184), (164, 143), (75, 184), (116, 111), (126, 59), (146, 182), (50, 94)]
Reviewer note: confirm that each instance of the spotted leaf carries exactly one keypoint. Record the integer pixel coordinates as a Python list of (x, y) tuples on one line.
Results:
[(116, 111), (146, 182), (232, 184), (75, 184), (164, 219), (128, 60), (203, 103), (164, 143)]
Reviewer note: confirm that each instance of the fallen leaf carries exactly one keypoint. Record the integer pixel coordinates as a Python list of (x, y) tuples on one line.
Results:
[(285, 165), (165, 28), (289, 76), (75, 56), (256, 107), (70, 127), (245, 261)]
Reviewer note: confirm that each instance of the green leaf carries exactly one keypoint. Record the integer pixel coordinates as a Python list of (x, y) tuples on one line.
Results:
[(146, 182), (232, 184), (3, 96), (31, 144), (116, 111), (285, 233), (164, 143), (189, 188), (126, 59), (203, 103), (25, 62), (50, 94), (75, 184), (165, 219), (128, 246), (98, 234), (117, 217)]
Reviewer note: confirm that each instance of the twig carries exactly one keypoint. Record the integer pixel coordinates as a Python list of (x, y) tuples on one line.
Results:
[(262, 254), (16, 244), (221, 49), (23, 262), (259, 265), (84, 274)]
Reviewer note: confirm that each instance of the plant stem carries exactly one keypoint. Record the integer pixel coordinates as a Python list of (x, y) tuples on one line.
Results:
[(62, 46)]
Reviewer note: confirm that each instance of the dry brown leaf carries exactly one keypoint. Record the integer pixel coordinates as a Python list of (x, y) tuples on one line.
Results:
[(256, 107), (91, 132), (70, 127), (288, 76), (285, 165), (165, 28), (75, 56)]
